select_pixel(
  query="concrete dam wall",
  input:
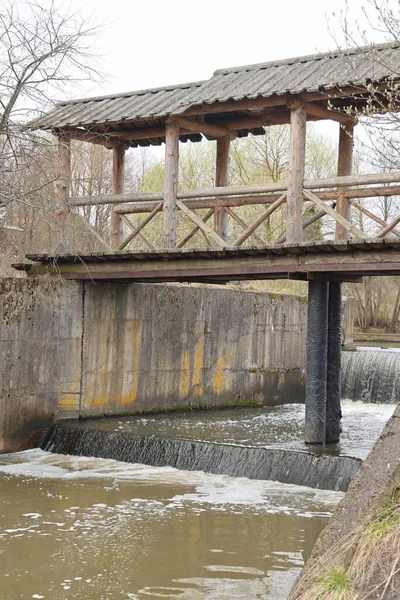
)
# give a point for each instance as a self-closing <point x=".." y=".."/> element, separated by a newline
<point x="75" y="349"/>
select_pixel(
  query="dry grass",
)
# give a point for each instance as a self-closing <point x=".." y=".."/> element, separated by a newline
<point x="364" y="565"/>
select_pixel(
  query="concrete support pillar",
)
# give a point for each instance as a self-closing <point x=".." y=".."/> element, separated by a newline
<point x="333" y="410"/>
<point x="317" y="358"/>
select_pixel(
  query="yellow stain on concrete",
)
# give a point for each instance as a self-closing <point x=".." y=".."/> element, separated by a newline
<point x="184" y="382"/>
<point x="198" y="370"/>
<point x="222" y="364"/>
<point x="130" y="397"/>
<point x="68" y="401"/>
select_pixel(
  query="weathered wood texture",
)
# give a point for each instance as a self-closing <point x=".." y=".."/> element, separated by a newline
<point x="118" y="188"/>
<point x="345" y="162"/>
<point x="171" y="184"/>
<point x="276" y="262"/>
<point x="221" y="217"/>
<point x="311" y="184"/>
<point x="139" y="228"/>
<point x="62" y="189"/>
<point x="294" y="202"/>
<point x="335" y="215"/>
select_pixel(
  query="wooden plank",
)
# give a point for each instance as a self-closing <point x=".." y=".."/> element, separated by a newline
<point x="294" y="202"/>
<point x="138" y="229"/>
<point x="141" y="235"/>
<point x="189" y="236"/>
<point x="221" y="217"/>
<point x="372" y="216"/>
<point x="171" y="184"/>
<point x="245" y="226"/>
<point x="335" y="215"/>
<point x="388" y="227"/>
<point x="345" y="162"/>
<point x="61" y="190"/>
<point x="210" y="234"/>
<point x="118" y="168"/>
<point x="211" y="130"/>
<point x="92" y="230"/>
<point x="248" y="232"/>
<point x="356" y="262"/>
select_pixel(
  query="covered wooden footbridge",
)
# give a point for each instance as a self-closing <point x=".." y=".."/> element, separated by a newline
<point x="236" y="102"/>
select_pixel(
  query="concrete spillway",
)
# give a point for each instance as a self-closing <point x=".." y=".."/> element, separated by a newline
<point x="371" y="376"/>
<point x="285" y="466"/>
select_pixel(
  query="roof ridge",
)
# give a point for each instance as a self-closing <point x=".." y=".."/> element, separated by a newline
<point x="308" y="57"/>
<point x="133" y="93"/>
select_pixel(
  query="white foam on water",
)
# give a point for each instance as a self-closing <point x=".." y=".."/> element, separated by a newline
<point x="205" y="489"/>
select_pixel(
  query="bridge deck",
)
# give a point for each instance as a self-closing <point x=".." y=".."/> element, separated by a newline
<point x="327" y="260"/>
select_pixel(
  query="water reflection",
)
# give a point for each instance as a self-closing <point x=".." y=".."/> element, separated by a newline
<point x="72" y="527"/>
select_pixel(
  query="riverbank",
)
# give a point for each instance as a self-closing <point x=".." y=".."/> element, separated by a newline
<point x="358" y="554"/>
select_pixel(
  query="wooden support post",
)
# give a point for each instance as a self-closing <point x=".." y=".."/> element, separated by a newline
<point x="333" y="386"/>
<point x="294" y="203"/>
<point x="345" y="161"/>
<point x="118" y="188"/>
<point x="62" y="190"/>
<point x="221" y="217"/>
<point x="171" y="183"/>
<point x="317" y="357"/>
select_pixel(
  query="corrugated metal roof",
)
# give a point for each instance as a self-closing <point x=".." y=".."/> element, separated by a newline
<point x="130" y="106"/>
<point x="314" y="73"/>
<point x="318" y="72"/>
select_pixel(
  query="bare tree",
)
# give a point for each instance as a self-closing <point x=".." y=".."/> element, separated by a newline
<point x="41" y="49"/>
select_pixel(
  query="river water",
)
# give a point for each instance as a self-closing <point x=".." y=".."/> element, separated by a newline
<point x="98" y="529"/>
<point x="86" y="528"/>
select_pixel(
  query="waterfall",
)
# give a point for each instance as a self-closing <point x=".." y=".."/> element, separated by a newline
<point x="371" y="376"/>
<point x="286" y="466"/>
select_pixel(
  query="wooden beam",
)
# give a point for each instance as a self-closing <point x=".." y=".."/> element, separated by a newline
<point x="345" y="162"/>
<point x="118" y="169"/>
<point x="372" y="216"/>
<point x="210" y="234"/>
<point x="294" y="202"/>
<point x="245" y="226"/>
<point x="139" y="228"/>
<point x="62" y="189"/>
<point x="316" y="184"/>
<point x="388" y="227"/>
<point x="141" y="235"/>
<point x="248" y="232"/>
<point x="320" y="112"/>
<point x="335" y="215"/>
<point x="171" y="177"/>
<point x="92" y="137"/>
<point x="195" y="229"/>
<point x="221" y="217"/>
<point x="215" y="131"/>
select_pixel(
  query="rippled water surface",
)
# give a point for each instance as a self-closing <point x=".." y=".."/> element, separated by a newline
<point x="276" y="427"/>
<point x="98" y="529"/>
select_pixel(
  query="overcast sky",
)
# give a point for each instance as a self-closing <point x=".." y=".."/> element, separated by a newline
<point x="150" y="43"/>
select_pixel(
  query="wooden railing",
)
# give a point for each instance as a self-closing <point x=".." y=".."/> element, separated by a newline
<point x="320" y="194"/>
